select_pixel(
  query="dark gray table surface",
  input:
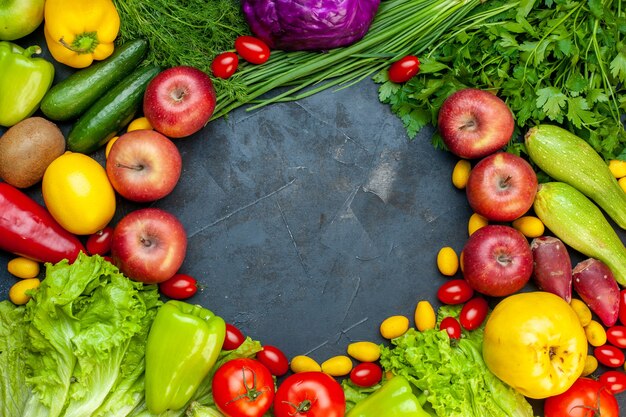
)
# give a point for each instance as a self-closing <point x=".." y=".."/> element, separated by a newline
<point x="310" y="222"/>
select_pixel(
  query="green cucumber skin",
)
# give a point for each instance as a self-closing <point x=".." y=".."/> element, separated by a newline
<point x="72" y="97"/>
<point x="566" y="157"/>
<point x="578" y="222"/>
<point x="111" y="112"/>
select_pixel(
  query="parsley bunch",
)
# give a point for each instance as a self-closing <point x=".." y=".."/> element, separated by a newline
<point x="556" y="61"/>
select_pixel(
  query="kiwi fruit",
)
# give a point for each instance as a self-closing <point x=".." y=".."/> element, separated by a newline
<point x="26" y="150"/>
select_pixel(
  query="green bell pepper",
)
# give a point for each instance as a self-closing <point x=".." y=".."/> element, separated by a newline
<point x="24" y="81"/>
<point x="183" y="345"/>
<point x="394" y="399"/>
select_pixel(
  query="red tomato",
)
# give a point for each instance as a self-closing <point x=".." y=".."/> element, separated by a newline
<point x="225" y="64"/>
<point x="616" y="335"/>
<point x="585" y="398"/>
<point x="274" y="359"/>
<point x="404" y="69"/>
<point x="366" y="374"/>
<point x="473" y="313"/>
<point x="609" y="355"/>
<point x="252" y="49"/>
<point x="234" y="338"/>
<point x="622" y="307"/>
<point x="451" y="326"/>
<point x="179" y="287"/>
<point x="99" y="243"/>
<point x="455" y="291"/>
<point x="309" y="394"/>
<point x="614" y="381"/>
<point x="243" y="387"/>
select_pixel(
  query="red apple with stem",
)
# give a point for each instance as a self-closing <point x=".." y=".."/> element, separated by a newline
<point x="501" y="187"/>
<point x="149" y="245"/>
<point x="179" y="101"/>
<point x="143" y="165"/>
<point x="474" y="123"/>
<point x="497" y="260"/>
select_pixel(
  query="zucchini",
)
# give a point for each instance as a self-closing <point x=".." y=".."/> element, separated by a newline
<point x="111" y="112"/>
<point x="566" y="157"/>
<point x="72" y="97"/>
<point x="579" y="223"/>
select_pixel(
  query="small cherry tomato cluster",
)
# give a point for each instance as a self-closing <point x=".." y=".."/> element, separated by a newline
<point x="250" y="48"/>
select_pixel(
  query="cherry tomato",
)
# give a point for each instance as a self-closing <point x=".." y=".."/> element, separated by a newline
<point x="179" y="287"/>
<point x="616" y="335"/>
<point x="234" y="338"/>
<point x="622" y="307"/>
<point x="609" y="355"/>
<point x="225" y="64"/>
<point x="252" y="49"/>
<point x="586" y="397"/>
<point x="309" y="394"/>
<point x="473" y="313"/>
<point x="451" y="326"/>
<point x="243" y="387"/>
<point x="455" y="291"/>
<point x="99" y="243"/>
<point x="404" y="69"/>
<point x="615" y="381"/>
<point x="274" y="359"/>
<point x="366" y="374"/>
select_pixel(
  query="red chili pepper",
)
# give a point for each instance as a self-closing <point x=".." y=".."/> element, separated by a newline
<point x="27" y="229"/>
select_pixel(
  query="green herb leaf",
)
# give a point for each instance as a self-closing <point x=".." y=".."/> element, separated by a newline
<point x="578" y="112"/>
<point x="618" y="66"/>
<point x="552" y="101"/>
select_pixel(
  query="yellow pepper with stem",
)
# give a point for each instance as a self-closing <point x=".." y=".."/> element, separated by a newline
<point x="78" y="32"/>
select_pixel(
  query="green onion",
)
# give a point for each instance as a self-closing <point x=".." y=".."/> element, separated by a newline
<point x="401" y="27"/>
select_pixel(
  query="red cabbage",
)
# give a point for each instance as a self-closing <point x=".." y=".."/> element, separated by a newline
<point x="294" y="25"/>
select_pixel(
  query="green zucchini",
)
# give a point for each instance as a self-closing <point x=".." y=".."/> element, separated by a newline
<point x="566" y="157"/>
<point x="111" y="112"/>
<point x="579" y="223"/>
<point x="72" y="97"/>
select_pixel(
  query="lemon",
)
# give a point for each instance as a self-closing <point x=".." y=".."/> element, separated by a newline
<point x="78" y="194"/>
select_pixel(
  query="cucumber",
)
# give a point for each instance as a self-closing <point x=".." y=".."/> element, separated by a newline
<point x="72" y="97"/>
<point x="566" y="157"/>
<point x="111" y="112"/>
<point x="579" y="223"/>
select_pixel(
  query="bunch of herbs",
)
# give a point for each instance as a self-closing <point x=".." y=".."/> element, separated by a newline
<point x="556" y="61"/>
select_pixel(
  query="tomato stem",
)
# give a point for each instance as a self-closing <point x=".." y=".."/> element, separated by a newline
<point x="252" y="393"/>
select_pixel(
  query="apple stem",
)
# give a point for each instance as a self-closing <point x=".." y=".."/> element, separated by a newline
<point x="134" y="167"/>
<point x="469" y="124"/>
<point x="505" y="182"/>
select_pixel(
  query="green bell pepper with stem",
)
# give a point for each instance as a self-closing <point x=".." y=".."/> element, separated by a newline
<point x="394" y="399"/>
<point x="183" y="345"/>
<point x="24" y="80"/>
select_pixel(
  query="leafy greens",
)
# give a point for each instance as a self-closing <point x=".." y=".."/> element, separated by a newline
<point x="558" y="61"/>
<point x="77" y="347"/>
<point x="452" y="375"/>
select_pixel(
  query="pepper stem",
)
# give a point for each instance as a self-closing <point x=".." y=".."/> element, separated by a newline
<point x="32" y="50"/>
<point x="83" y="43"/>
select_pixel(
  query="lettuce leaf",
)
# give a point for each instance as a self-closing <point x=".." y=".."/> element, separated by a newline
<point x="13" y="342"/>
<point x="82" y="342"/>
<point x="452" y="375"/>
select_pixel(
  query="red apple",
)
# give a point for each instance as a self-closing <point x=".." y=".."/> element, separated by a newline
<point x="501" y="187"/>
<point x="143" y="165"/>
<point x="497" y="260"/>
<point x="179" y="101"/>
<point x="149" y="245"/>
<point x="474" y="123"/>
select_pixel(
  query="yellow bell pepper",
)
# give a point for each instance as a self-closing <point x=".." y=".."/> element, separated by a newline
<point x="78" y="32"/>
